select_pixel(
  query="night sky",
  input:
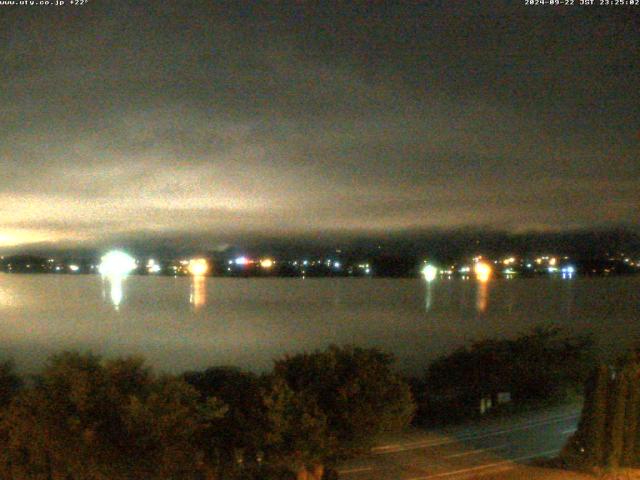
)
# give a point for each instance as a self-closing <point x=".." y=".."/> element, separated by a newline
<point x="221" y="120"/>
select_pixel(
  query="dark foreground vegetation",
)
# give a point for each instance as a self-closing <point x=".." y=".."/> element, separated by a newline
<point x="608" y="435"/>
<point x="84" y="418"/>
<point x="541" y="367"/>
<point x="87" y="418"/>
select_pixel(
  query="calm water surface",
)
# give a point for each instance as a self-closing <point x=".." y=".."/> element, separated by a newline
<point x="187" y="323"/>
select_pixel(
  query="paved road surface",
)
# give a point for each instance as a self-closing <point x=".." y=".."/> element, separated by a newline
<point x="467" y="452"/>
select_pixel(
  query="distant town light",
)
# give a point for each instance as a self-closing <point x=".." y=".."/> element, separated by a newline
<point x="198" y="266"/>
<point x="483" y="271"/>
<point x="116" y="263"/>
<point x="242" y="261"/>
<point x="154" y="268"/>
<point x="266" y="263"/>
<point x="73" y="268"/>
<point x="429" y="272"/>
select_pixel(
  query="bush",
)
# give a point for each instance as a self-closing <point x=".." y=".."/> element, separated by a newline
<point x="86" y="419"/>
<point x="537" y="367"/>
<point x="355" y="388"/>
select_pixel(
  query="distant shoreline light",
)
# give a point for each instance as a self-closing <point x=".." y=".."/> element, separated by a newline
<point x="116" y="263"/>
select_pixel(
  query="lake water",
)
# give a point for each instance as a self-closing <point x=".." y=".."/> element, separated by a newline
<point x="188" y="323"/>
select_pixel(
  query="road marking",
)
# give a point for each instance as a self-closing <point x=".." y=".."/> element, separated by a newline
<point x="355" y="470"/>
<point x="483" y="433"/>
<point x="484" y="467"/>
<point x="394" y="448"/>
<point x="473" y="452"/>
<point x="569" y="432"/>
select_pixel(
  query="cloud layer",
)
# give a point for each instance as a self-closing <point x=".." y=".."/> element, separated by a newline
<point x="232" y="119"/>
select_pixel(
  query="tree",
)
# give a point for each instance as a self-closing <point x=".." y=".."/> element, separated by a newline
<point x="86" y="419"/>
<point x="631" y="413"/>
<point x="592" y="427"/>
<point x="615" y="420"/>
<point x="237" y="438"/>
<point x="607" y="434"/>
<point x="355" y="388"/>
<point x="297" y="437"/>
<point x="538" y="366"/>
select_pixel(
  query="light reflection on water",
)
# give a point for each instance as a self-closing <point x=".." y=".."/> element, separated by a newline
<point x="428" y="302"/>
<point x="198" y="294"/>
<point x="8" y="298"/>
<point x="482" y="295"/>
<point x="116" y="292"/>
<point x="194" y="322"/>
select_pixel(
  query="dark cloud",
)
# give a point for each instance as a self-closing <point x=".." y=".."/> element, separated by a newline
<point x="235" y="118"/>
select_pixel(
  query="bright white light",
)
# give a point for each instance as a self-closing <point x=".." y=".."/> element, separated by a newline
<point x="154" y="268"/>
<point x="336" y="265"/>
<point x="116" y="263"/>
<point x="568" y="270"/>
<point x="367" y="271"/>
<point x="242" y="261"/>
<point x="429" y="272"/>
<point x="73" y="268"/>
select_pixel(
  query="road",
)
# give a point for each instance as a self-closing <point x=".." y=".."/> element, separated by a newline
<point x="467" y="452"/>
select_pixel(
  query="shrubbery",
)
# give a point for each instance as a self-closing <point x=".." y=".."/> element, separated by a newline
<point x="540" y="366"/>
<point x="85" y="418"/>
